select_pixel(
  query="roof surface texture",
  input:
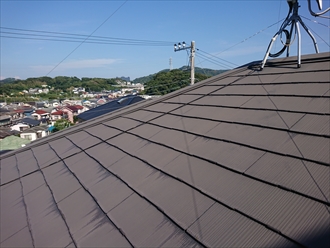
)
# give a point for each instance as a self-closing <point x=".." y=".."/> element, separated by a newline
<point x="109" y="107"/>
<point x="238" y="160"/>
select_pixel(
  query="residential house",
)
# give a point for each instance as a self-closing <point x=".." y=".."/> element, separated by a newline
<point x="80" y="108"/>
<point x="101" y="101"/>
<point x="34" y="133"/>
<point x="6" y="116"/>
<point x="54" y="103"/>
<point x="20" y="127"/>
<point x="24" y="111"/>
<point x="33" y="91"/>
<point x="31" y="122"/>
<point x="6" y="131"/>
<point x="5" y="120"/>
<point x="67" y="102"/>
<point x="78" y="90"/>
<point x="40" y="114"/>
<point x="45" y="90"/>
<point x="56" y="115"/>
<point x="71" y="111"/>
<point x="240" y="159"/>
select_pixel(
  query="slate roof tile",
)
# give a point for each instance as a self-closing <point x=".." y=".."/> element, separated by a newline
<point x="238" y="160"/>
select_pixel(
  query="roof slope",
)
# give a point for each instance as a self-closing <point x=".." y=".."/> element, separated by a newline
<point x="35" y="129"/>
<point x="29" y="121"/>
<point x="109" y="107"/>
<point x="13" y="142"/>
<point x="238" y="160"/>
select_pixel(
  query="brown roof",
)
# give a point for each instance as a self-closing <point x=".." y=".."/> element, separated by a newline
<point x="240" y="159"/>
<point x="72" y="108"/>
<point x="78" y="107"/>
<point x="41" y="112"/>
<point x="59" y="112"/>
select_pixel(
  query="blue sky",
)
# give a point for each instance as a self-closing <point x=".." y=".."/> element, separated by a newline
<point x="234" y="31"/>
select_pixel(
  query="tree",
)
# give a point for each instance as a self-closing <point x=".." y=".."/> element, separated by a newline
<point x="61" y="124"/>
<point x="168" y="81"/>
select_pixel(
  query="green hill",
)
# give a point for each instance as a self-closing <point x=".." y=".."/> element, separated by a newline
<point x="7" y="80"/>
<point x="204" y="71"/>
<point x="168" y="81"/>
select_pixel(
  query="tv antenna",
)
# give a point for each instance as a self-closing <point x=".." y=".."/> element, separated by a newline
<point x="293" y="19"/>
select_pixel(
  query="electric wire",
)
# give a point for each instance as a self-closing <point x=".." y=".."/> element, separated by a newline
<point x="200" y="62"/>
<point x="78" y="37"/>
<point x="213" y="56"/>
<point x="213" y="61"/>
<point x="317" y="33"/>
<point x="260" y="31"/>
<point x="279" y="12"/>
<point x="86" y="38"/>
<point x="322" y="24"/>
<point x="89" y="42"/>
<point x="205" y="58"/>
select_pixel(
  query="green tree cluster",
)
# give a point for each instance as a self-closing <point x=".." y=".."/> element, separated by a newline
<point x="58" y="84"/>
<point x="61" y="124"/>
<point x="205" y="71"/>
<point x="168" y="81"/>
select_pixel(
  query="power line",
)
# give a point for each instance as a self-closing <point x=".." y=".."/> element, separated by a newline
<point x="78" y="37"/>
<point x="322" y="24"/>
<point x="213" y="56"/>
<point x="205" y="58"/>
<point x="67" y="39"/>
<point x="260" y="31"/>
<point x="318" y="35"/>
<point x="86" y="38"/>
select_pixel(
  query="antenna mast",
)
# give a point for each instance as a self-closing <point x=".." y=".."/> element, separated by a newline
<point x="293" y="19"/>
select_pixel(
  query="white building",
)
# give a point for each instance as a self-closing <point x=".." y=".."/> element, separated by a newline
<point x="34" y="133"/>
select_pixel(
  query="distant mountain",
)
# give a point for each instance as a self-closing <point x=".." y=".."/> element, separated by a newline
<point x="127" y="79"/>
<point x="8" y="80"/>
<point x="204" y="71"/>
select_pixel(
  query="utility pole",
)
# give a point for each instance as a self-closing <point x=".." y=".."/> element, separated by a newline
<point x="192" y="63"/>
<point x="183" y="46"/>
<point x="171" y="64"/>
